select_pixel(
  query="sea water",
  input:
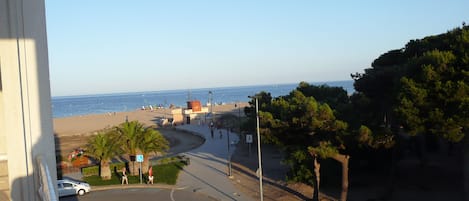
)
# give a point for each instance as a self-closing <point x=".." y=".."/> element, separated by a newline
<point x="65" y="106"/>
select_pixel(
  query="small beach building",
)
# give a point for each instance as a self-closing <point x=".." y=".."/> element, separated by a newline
<point x="195" y="113"/>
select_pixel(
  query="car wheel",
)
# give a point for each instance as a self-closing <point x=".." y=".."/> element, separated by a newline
<point x="81" y="192"/>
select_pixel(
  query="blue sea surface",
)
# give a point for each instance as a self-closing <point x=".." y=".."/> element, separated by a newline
<point x="65" y="106"/>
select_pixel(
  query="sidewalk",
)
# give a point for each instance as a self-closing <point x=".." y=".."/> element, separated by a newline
<point x="208" y="169"/>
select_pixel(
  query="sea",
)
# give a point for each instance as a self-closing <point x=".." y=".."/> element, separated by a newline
<point x="66" y="106"/>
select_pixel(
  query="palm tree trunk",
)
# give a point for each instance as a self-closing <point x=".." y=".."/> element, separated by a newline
<point x="105" y="170"/>
<point x="133" y="166"/>
<point x="145" y="164"/>
<point x="344" y="160"/>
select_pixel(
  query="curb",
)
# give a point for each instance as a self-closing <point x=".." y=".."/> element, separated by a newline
<point x="129" y="186"/>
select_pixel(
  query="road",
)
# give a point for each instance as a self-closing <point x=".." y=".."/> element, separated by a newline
<point x="140" y="194"/>
<point x="208" y="170"/>
<point x="206" y="176"/>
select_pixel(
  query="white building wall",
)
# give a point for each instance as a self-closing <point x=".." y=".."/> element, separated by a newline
<point x="25" y="106"/>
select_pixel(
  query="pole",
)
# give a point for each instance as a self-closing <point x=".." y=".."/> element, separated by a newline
<point x="140" y="172"/>
<point x="229" y="154"/>
<point x="239" y="117"/>
<point x="259" y="152"/>
<point x="211" y="103"/>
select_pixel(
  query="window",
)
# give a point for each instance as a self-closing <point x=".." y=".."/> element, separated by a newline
<point x="67" y="185"/>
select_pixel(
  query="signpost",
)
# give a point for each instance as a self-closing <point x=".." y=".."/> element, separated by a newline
<point x="140" y="161"/>
<point x="249" y="141"/>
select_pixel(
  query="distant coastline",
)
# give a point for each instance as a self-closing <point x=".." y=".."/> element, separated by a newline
<point x="330" y="83"/>
<point x="66" y="106"/>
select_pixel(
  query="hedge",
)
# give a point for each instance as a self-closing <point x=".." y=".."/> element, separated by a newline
<point x="94" y="170"/>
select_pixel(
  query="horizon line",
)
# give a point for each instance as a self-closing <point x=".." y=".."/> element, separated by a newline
<point x="187" y="89"/>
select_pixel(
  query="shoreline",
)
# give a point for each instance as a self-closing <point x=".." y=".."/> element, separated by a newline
<point x="92" y="123"/>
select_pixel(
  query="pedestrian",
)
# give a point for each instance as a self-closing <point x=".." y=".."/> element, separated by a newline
<point x="150" y="175"/>
<point x="124" y="176"/>
<point x="221" y="136"/>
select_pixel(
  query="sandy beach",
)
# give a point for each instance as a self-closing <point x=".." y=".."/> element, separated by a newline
<point x="73" y="132"/>
<point x="89" y="124"/>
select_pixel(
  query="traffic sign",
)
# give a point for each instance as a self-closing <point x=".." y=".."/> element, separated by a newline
<point x="139" y="158"/>
<point x="248" y="138"/>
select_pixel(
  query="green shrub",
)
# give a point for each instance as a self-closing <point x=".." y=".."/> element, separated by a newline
<point x="117" y="166"/>
<point x="90" y="171"/>
<point x="165" y="173"/>
<point x="94" y="170"/>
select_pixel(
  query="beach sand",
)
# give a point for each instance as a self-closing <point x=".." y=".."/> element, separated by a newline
<point x="89" y="124"/>
<point x="73" y="132"/>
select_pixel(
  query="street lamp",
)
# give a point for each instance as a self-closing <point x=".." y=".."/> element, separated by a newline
<point x="210" y="99"/>
<point x="259" y="155"/>
<point x="239" y="118"/>
<point x="211" y="102"/>
<point x="229" y="154"/>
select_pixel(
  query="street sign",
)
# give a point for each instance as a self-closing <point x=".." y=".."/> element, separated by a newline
<point x="139" y="158"/>
<point x="248" y="138"/>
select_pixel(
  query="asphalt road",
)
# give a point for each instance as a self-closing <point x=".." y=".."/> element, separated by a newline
<point x="140" y="194"/>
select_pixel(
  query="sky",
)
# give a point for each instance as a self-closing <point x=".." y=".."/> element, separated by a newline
<point x="114" y="46"/>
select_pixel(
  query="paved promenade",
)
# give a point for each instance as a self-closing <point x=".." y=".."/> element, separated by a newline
<point x="207" y="172"/>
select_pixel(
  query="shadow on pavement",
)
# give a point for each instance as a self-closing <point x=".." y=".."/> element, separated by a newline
<point x="208" y="184"/>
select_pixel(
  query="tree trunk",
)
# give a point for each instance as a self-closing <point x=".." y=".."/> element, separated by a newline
<point x="344" y="160"/>
<point x="317" y="168"/>
<point x="145" y="164"/>
<point x="105" y="170"/>
<point x="133" y="166"/>
<point x="465" y="161"/>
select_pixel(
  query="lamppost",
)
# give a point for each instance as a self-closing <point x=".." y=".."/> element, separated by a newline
<point x="229" y="153"/>
<point x="239" y="119"/>
<point x="210" y="94"/>
<point x="259" y="155"/>
<point x="210" y="99"/>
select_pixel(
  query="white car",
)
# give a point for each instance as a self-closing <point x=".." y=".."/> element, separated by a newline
<point x="69" y="187"/>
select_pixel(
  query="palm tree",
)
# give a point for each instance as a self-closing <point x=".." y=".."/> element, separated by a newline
<point x="129" y="133"/>
<point x="103" y="147"/>
<point x="151" y="141"/>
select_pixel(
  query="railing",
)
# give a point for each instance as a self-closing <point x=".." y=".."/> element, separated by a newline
<point x="47" y="189"/>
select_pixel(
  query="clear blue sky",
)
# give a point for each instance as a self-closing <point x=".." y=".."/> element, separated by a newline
<point x="109" y="46"/>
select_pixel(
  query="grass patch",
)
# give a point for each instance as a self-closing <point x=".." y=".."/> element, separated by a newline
<point x="97" y="181"/>
<point x="165" y="174"/>
<point x="94" y="170"/>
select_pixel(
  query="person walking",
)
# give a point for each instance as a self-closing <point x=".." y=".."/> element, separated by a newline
<point x="124" y="176"/>
<point x="150" y="175"/>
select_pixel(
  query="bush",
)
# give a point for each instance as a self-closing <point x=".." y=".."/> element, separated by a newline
<point x="165" y="173"/>
<point x="117" y="167"/>
<point x="94" y="170"/>
<point x="90" y="171"/>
